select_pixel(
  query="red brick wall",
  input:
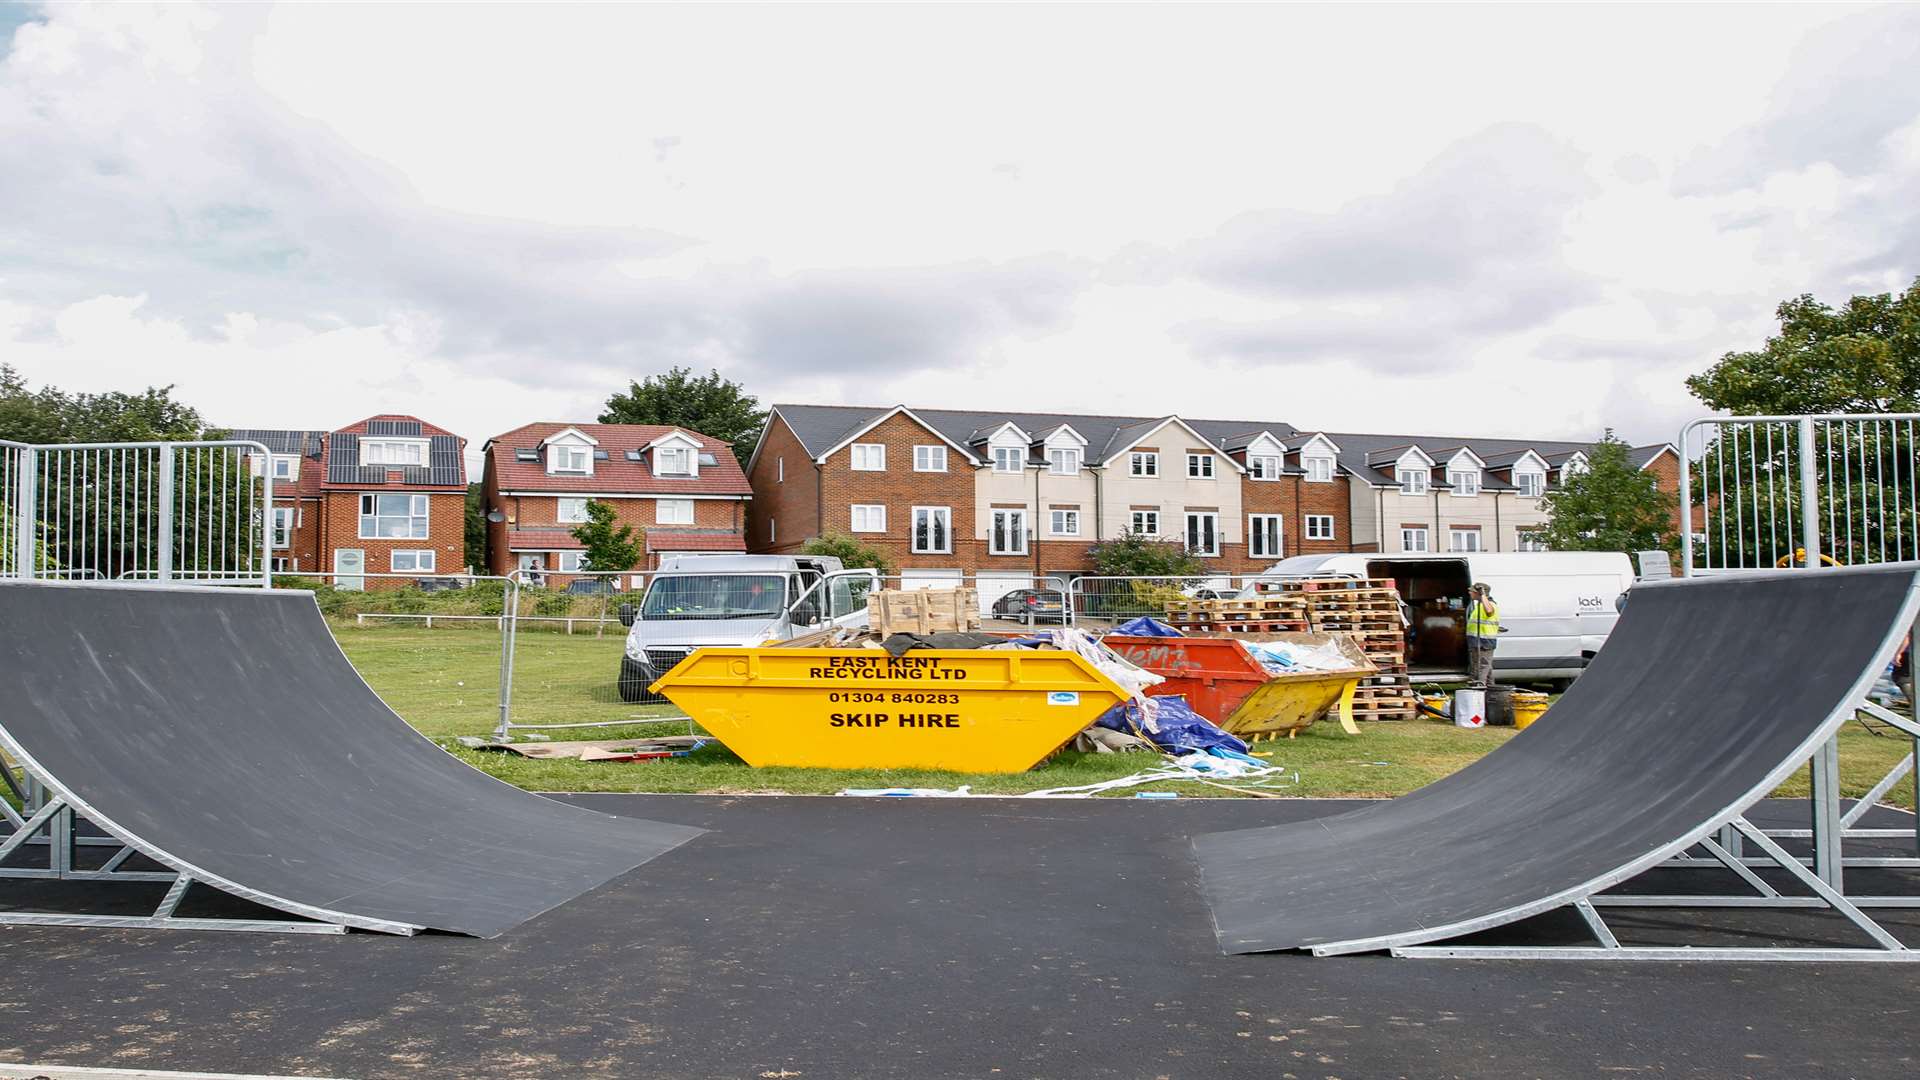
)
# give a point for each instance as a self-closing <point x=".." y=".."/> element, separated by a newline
<point x="900" y="489"/>
<point x="339" y="527"/>
<point x="303" y="548"/>
<point x="1293" y="498"/>
<point x="1666" y="477"/>
<point x="794" y="503"/>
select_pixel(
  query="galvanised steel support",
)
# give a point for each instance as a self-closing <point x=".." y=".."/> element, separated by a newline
<point x="1809" y="495"/>
<point x="1824" y="782"/>
<point x="164" y="555"/>
<point x="26" y="532"/>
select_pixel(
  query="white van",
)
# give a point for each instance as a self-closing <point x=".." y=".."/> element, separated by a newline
<point x="698" y="600"/>
<point x="1557" y="607"/>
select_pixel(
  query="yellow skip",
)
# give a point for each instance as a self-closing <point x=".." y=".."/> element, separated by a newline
<point x="960" y="709"/>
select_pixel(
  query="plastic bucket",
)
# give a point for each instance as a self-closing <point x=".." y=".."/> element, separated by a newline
<point x="1470" y="708"/>
<point x="1528" y="707"/>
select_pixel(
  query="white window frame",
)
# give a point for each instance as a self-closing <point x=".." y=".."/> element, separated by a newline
<point x="422" y="559"/>
<point x="419" y="509"/>
<point x="1319" y="526"/>
<point x="560" y="510"/>
<point x="1455" y="536"/>
<point x="1016" y="527"/>
<point x="1465" y="483"/>
<point x="1407" y="535"/>
<point x="1532" y="485"/>
<point x="867" y="517"/>
<point x="868" y="457"/>
<point x="1137" y="518"/>
<point x="1258" y="526"/>
<point x="291" y="470"/>
<point x="1264" y="466"/>
<point x="1063" y="461"/>
<point x="1143" y="463"/>
<point x="930" y="458"/>
<point x="577" y="558"/>
<point x="661" y="517"/>
<point x="942" y="514"/>
<point x="1199" y="466"/>
<point x="1530" y="541"/>
<point x="1009" y="459"/>
<point x="416" y="450"/>
<point x="285" y="520"/>
<point x="674" y="461"/>
<point x="1194" y="516"/>
<point x="281" y="564"/>
<point x="1414" y="480"/>
<point x="1057" y="519"/>
<point x="560" y="458"/>
<point x="1319" y="468"/>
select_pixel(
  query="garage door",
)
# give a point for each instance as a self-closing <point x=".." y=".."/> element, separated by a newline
<point x="994" y="586"/>
<point x="930" y="579"/>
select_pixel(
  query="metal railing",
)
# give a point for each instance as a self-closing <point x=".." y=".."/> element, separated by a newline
<point x="1779" y="492"/>
<point x="192" y="511"/>
<point x="1096" y="600"/>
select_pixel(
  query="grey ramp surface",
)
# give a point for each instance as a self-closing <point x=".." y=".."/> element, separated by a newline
<point x="224" y="729"/>
<point x="1707" y="692"/>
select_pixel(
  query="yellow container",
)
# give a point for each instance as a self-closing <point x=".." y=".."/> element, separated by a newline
<point x="1288" y="703"/>
<point x="967" y="710"/>
<point x="1528" y="706"/>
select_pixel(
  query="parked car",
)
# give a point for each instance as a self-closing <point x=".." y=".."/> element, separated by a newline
<point x="440" y="584"/>
<point x="591" y="587"/>
<point x="1032" y="605"/>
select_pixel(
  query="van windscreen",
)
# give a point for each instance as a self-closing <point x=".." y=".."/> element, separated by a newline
<point x="714" y="596"/>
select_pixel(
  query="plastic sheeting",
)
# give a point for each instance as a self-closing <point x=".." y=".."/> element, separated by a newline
<point x="1146" y="626"/>
<point x="1171" y="724"/>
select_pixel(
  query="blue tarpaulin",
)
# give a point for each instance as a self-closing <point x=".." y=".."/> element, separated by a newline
<point x="1169" y="723"/>
<point x="1146" y="626"/>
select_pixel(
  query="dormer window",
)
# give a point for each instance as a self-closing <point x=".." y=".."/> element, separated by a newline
<point x="1573" y="467"/>
<point x="1413" y="480"/>
<point x="286" y="467"/>
<point x="1319" y="469"/>
<point x="1531" y="484"/>
<point x="396" y="452"/>
<point x="1063" y="462"/>
<point x="673" y="461"/>
<point x="1008" y="458"/>
<point x="1263" y="467"/>
<point x="562" y="458"/>
<point x="1464" y="481"/>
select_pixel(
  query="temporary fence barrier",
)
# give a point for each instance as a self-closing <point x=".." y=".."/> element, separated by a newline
<point x="193" y="511"/>
<point x="1097" y="599"/>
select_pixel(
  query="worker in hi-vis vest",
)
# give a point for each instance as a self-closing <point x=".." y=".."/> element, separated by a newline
<point x="1483" y="635"/>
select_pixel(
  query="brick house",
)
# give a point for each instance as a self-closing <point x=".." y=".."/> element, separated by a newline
<point x="386" y="495"/>
<point x="682" y="488"/>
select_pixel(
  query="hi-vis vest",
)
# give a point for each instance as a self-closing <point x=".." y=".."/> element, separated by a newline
<point x="1483" y="620"/>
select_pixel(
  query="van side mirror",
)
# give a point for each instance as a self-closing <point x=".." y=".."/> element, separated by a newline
<point x="626" y="614"/>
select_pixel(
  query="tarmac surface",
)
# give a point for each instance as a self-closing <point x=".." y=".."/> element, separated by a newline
<point x="825" y="938"/>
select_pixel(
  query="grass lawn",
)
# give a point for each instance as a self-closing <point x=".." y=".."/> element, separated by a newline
<point x="446" y="683"/>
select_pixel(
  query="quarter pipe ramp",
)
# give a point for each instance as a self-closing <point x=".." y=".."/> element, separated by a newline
<point x="222" y="733"/>
<point x="1708" y="694"/>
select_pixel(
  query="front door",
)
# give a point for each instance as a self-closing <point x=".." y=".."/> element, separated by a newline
<point x="348" y="565"/>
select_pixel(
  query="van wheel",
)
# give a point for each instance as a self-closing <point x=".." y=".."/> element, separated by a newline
<point x="634" y="680"/>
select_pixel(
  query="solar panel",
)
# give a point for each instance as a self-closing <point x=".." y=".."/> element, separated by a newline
<point x="346" y="449"/>
<point x="417" y="474"/>
<point x="443" y="462"/>
<point x="404" y="428"/>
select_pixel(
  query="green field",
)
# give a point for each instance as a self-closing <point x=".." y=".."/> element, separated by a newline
<point x="445" y="682"/>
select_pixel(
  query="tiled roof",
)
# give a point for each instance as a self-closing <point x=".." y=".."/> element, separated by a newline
<point x="542" y="540"/>
<point x="444" y="471"/>
<point x="615" y="474"/>
<point x="661" y="540"/>
<point x="306" y="445"/>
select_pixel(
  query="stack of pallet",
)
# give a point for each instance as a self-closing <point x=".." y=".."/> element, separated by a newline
<point x="1257" y="615"/>
<point x="1368" y="610"/>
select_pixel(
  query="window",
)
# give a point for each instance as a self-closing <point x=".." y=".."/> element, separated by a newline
<point x="1531" y="484"/>
<point x="1008" y="458"/>
<point x="869" y="457"/>
<point x="286" y="467"/>
<point x="1009" y="533"/>
<point x="1203" y="533"/>
<point x="1319" y="469"/>
<point x="1463" y="539"/>
<point x="1063" y="522"/>
<point x="572" y="562"/>
<point x="1146" y="522"/>
<point x="1574" y="467"/>
<point x="1063" y="462"/>
<point x="1532" y="542"/>
<point x="1264" y="467"/>
<point x="932" y="529"/>
<point x="393" y="517"/>
<point x="1319" y="526"/>
<point x="869" y="518"/>
<point x="283" y="526"/>
<point x="1413" y="538"/>
<point x="411" y="562"/>
<point x="673" y="461"/>
<point x="929" y="459"/>
<point x="1464" y="481"/>
<point x="1413" y="481"/>
<point x="1144" y="464"/>
<point x="1200" y="466"/>
<point x="1263" y="535"/>
<point x="570" y="511"/>
<point x="779" y="470"/>
<point x="389" y="452"/>
<point x="673" y="511"/>
<point x="282" y="565"/>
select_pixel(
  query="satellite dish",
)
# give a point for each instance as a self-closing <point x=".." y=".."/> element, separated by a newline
<point x="496" y="516"/>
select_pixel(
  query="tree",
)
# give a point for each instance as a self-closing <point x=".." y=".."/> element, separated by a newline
<point x="1862" y="357"/>
<point x="51" y="415"/>
<point x="708" y="404"/>
<point x="1611" y="506"/>
<point x="852" y="554"/>
<point x="476" y="527"/>
<point x="1138" y="555"/>
<point x="609" y="548"/>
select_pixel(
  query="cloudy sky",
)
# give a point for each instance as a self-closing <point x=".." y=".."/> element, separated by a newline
<point x="1496" y="220"/>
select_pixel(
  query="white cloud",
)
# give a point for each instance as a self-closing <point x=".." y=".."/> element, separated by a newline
<point x="304" y="214"/>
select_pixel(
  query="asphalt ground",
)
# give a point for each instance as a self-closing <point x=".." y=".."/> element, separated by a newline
<point x="825" y="938"/>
